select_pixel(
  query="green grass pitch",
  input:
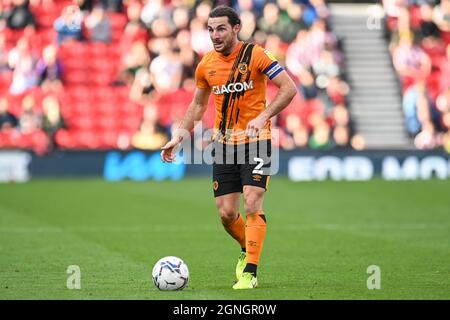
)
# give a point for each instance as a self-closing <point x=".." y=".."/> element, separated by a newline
<point x="321" y="238"/>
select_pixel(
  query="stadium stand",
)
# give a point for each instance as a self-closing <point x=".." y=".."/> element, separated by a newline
<point x="419" y="33"/>
<point x="124" y="72"/>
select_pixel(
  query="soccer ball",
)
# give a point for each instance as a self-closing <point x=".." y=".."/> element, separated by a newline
<point x="170" y="273"/>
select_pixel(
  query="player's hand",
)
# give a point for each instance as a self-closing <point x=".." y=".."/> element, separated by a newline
<point x="168" y="151"/>
<point x="255" y="127"/>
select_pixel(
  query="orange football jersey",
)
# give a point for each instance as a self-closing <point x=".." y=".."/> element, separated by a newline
<point x="238" y="83"/>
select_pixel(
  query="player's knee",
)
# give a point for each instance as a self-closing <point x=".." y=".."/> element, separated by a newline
<point x="252" y="204"/>
<point x="227" y="215"/>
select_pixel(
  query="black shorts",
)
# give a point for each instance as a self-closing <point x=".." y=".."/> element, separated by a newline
<point x="247" y="164"/>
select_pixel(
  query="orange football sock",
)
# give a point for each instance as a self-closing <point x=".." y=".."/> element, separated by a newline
<point x="237" y="230"/>
<point x="255" y="232"/>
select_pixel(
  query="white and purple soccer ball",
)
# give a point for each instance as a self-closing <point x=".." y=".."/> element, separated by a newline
<point x="170" y="273"/>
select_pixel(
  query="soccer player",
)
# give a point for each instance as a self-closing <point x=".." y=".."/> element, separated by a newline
<point x="236" y="73"/>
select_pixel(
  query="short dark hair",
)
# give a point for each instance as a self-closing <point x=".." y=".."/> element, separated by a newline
<point x="225" y="11"/>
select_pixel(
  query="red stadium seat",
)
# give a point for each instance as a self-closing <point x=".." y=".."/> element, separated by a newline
<point x="131" y="123"/>
<point x="89" y="139"/>
<point x="65" y="139"/>
<point x="415" y="16"/>
<point x="108" y="139"/>
<point x="76" y="77"/>
<point x="445" y="35"/>
<point x="118" y="21"/>
<point x="82" y="123"/>
<point x="109" y="123"/>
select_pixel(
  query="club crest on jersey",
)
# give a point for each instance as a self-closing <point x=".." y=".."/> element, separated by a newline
<point x="232" y="87"/>
<point x="242" y="68"/>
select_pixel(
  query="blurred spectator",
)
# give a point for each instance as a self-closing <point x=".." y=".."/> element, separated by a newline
<point x="134" y="13"/>
<point x="401" y="26"/>
<point x="445" y="122"/>
<point x="161" y="28"/>
<point x="441" y="15"/>
<point x="358" y="142"/>
<point x="24" y="76"/>
<point x="443" y="106"/>
<point x="85" y="6"/>
<point x="290" y="20"/>
<point x="248" y="25"/>
<point x="189" y="59"/>
<point x="270" y="22"/>
<point x="142" y="86"/>
<point x="49" y="70"/>
<point x="275" y="46"/>
<point x="29" y="120"/>
<point x="427" y="26"/>
<point x="320" y="8"/>
<point x="445" y="70"/>
<point x="135" y="58"/>
<point x="341" y="115"/>
<point x="3" y="54"/>
<point x="52" y="120"/>
<point x="298" y="131"/>
<point x="200" y="40"/>
<point x="21" y="60"/>
<point x="443" y="101"/>
<point x="393" y="7"/>
<point x="183" y="40"/>
<point x="135" y="30"/>
<point x="298" y="55"/>
<point x="98" y="25"/>
<point x="322" y="39"/>
<point x="307" y="85"/>
<point x="150" y="135"/>
<point x="341" y="136"/>
<point x="446" y="141"/>
<point x="294" y="12"/>
<point x="69" y="24"/>
<point x="180" y="18"/>
<point x="166" y="70"/>
<point x="7" y="119"/>
<point x="426" y="139"/>
<point x="202" y="11"/>
<point x="255" y="6"/>
<point x="112" y="5"/>
<point x="20" y="15"/>
<point x="19" y="52"/>
<point x="410" y="61"/>
<point x="337" y="90"/>
<point x="325" y="67"/>
<point x="151" y="10"/>
<point x="320" y="137"/>
<point x="415" y="98"/>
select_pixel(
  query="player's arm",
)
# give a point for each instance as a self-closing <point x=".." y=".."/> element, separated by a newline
<point x="286" y="92"/>
<point x="194" y="113"/>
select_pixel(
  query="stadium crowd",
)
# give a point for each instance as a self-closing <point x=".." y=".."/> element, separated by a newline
<point x="121" y="73"/>
<point x="419" y="32"/>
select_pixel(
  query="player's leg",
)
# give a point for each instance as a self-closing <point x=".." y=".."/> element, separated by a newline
<point x="227" y="191"/>
<point x="255" y="232"/>
<point x="232" y="221"/>
<point x="255" y="175"/>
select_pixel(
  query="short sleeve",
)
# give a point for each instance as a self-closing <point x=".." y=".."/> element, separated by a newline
<point x="200" y="79"/>
<point x="267" y="63"/>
